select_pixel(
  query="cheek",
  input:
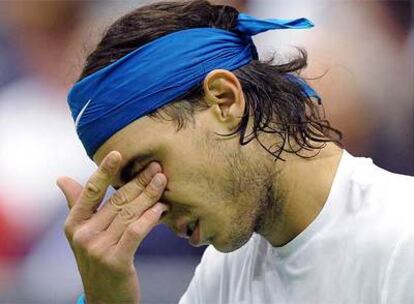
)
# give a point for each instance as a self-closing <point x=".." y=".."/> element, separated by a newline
<point x="202" y="185"/>
<point x="185" y="185"/>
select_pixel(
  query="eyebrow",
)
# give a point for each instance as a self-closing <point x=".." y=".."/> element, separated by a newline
<point x="127" y="171"/>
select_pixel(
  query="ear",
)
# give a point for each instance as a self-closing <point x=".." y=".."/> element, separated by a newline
<point x="224" y="95"/>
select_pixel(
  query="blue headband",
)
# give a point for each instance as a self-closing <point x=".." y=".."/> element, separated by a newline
<point x="161" y="71"/>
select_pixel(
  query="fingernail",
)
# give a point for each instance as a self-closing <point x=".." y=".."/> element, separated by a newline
<point x="58" y="183"/>
<point x="112" y="160"/>
<point x="159" y="208"/>
<point x="157" y="181"/>
<point x="154" y="167"/>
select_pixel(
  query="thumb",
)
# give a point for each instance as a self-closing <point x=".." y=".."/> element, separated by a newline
<point x="70" y="188"/>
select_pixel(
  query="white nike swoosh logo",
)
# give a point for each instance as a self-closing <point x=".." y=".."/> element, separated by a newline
<point x="81" y="113"/>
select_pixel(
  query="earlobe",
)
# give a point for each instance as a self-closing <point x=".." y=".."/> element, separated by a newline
<point x="224" y="95"/>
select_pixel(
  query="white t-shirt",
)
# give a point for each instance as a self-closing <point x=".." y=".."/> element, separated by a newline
<point x="359" y="249"/>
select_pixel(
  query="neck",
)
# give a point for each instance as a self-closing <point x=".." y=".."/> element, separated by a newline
<point x="302" y="186"/>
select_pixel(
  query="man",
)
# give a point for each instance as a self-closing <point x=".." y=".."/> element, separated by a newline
<point x="195" y="132"/>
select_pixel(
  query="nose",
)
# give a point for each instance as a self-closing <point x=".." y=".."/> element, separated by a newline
<point x="178" y="226"/>
<point x="181" y="227"/>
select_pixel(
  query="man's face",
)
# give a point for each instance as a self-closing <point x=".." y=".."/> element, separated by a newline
<point x="209" y="178"/>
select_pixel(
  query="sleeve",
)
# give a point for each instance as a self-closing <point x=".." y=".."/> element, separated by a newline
<point x="399" y="279"/>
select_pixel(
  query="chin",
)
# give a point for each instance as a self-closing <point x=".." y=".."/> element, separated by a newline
<point x="231" y="243"/>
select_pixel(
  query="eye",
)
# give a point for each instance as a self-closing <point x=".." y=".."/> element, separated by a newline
<point x="134" y="172"/>
<point x="127" y="175"/>
<point x="135" y="167"/>
<point x="130" y="175"/>
<point x="139" y="169"/>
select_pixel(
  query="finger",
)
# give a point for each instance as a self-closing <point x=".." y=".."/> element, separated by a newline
<point x="138" y="230"/>
<point x="95" y="189"/>
<point x="136" y="208"/>
<point x="70" y="188"/>
<point x="104" y="217"/>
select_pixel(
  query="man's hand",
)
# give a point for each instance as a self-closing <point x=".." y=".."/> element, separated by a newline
<point x="104" y="242"/>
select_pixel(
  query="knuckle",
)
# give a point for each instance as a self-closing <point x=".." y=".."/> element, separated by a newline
<point x="68" y="229"/>
<point x="135" y="231"/>
<point x="92" y="190"/>
<point x="150" y="217"/>
<point x="151" y="192"/>
<point x="119" y="198"/>
<point x="81" y="237"/>
<point x="140" y="181"/>
<point x="104" y="168"/>
<point x="128" y="213"/>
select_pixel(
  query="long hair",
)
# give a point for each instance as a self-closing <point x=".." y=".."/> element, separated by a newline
<point x="275" y="103"/>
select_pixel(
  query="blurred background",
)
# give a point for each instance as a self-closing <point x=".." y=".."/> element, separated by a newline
<point x="364" y="48"/>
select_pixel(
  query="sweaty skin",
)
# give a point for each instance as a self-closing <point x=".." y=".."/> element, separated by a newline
<point x="231" y="190"/>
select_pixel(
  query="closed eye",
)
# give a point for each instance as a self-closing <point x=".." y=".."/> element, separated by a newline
<point x="132" y="173"/>
<point x="135" y="166"/>
<point x="126" y="177"/>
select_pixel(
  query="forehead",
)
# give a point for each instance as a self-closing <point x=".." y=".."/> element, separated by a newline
<point x="137" y="137"/>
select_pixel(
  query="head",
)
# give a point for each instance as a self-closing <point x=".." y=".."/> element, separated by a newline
<point x="218" y="143"/>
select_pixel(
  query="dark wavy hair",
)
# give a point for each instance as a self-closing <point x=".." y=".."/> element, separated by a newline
<point x="275" y="103"/>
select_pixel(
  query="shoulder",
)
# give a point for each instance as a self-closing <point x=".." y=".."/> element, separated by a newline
<point x="369" y="187"/>
<point x="366" y="174"/>
<point x="383" y="204"/>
